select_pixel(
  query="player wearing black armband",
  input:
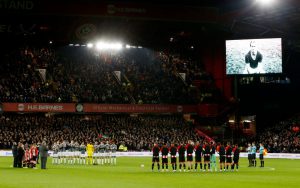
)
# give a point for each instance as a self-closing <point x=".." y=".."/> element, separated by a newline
<point x="228" y="152"/>
<point x="198" y="155"/>
<point x="222" y="157"/>
<point x="189" y="154"/>
<point x="173" y="152"/>
<point x="206" y="154"/>
<point x="164" y="155"/>
<point x="155" y="157"/>
<point x="181" y="153"/>
<point x="236" y="157"/>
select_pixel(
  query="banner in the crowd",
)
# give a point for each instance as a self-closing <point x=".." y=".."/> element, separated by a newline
<point x="118" y="75"/>
<point x="38" y="107"/>
<point x="139" y="108"/>
<point x="201" y="109"/>
<point x="182" y="76"/>
<point x="42" y="73"/>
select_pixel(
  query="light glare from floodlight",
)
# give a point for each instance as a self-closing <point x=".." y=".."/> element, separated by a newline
<point x="265" y="2"/>
<point x="117" y="46"/>
<point x="90" y="45"/>
<point x="99" y="45"/>
<point x="108" y="46"/>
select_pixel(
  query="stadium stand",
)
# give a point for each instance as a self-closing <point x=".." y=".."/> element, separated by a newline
<point x="282" y="137"/>
<point x="137" y="133"/>
<point x="79" y="75"/>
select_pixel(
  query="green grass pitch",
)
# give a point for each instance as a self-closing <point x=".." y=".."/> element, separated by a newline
<point x="128" y="173"/>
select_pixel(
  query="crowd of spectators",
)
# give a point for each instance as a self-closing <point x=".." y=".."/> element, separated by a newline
<point x="152" y="82"/>
<point x="20" y="81"/>
<point x="282" y="137"/>
<point x="75" y="74"/>
<point x="195" y="76"/>
<point x="137" y="132"/>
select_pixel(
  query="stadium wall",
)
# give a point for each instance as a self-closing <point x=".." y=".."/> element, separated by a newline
<point x="8" y="153"/>
<point x="213" y="58"/>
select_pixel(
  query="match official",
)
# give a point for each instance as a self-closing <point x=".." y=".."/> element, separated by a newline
<point x="43" y="154"/>
<point x="261" y="155"/>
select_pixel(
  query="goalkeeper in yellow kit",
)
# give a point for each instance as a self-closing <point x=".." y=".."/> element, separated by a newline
<point x="90" y="152"/>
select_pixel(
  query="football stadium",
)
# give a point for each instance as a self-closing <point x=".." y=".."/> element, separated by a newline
<point x="127" y="93"/>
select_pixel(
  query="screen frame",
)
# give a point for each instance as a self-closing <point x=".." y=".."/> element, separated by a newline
<point x="254" y="74"/>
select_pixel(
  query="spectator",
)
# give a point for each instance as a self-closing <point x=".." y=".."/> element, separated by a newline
<point x="136" y="133"/>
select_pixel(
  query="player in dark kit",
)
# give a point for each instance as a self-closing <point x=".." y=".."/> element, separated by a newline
<point x="189" y="154"/>
<point x="155" y="158"/>
<point x="206" y="154"/>
<point x="253" y="60"/>
<point x="164" y="155"/>
<point x="222" y="154"/>
<point x="198" y="155"/>
<point x="173" y="152"/>
<point x="181" y="153"/>
<point x="228" y="153"/>
<point x="236" y="157"/>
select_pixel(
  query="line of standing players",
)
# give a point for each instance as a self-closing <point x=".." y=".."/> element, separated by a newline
<point x="190" y="156"/>
<point x="252" y="149"/>
<point x="73" y="153"/>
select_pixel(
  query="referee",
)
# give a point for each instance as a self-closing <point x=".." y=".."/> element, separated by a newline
<point x="261" y="155"/>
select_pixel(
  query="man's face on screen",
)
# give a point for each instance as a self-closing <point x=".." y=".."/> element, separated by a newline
<point x="253" y="48"/>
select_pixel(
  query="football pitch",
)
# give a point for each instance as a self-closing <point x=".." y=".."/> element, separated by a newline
<point x="128" y="173"/>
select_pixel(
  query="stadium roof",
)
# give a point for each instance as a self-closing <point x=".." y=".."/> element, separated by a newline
<point x="150" y="23"/>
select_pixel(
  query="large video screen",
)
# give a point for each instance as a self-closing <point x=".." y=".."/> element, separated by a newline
<point x="253" y="56"/>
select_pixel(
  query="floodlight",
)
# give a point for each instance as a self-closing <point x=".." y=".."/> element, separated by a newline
<point x="108" y="46"/>
<point x="116" y="46"/>
<point x="265" y="2"/>
<point x="100" y="45"/>
<point x="90" y="45"/>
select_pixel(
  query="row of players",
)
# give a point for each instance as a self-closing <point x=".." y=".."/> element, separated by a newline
<point x="73" y="153"/>
<point x="229" y="156"/>
<point x="252" y="149"/>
